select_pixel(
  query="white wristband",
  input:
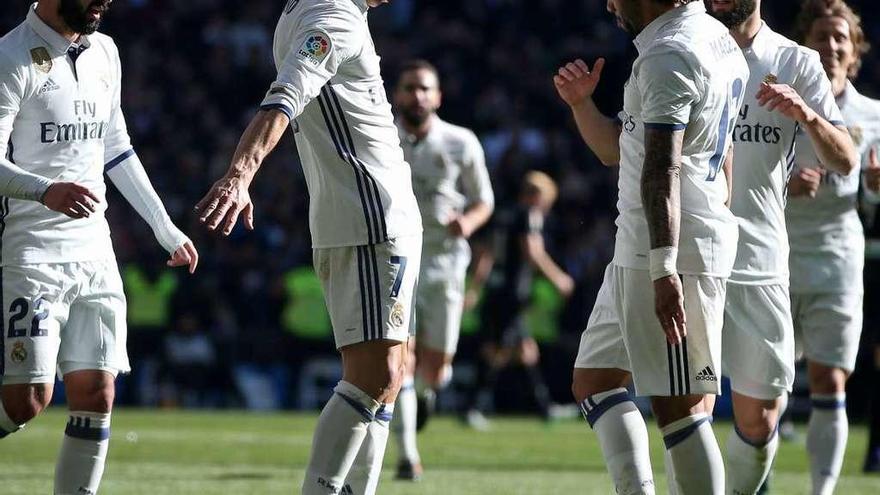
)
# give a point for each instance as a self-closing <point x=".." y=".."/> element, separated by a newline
<point x="662" y="262"/>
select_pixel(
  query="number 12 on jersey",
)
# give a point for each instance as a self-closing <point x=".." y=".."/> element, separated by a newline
<point x="725" y="128"/>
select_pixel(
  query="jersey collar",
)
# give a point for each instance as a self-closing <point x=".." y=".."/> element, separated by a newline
<point x="761" y="43"/>
<point x="649" y="34"/>
<point x="849" y="94"/>
<point x="56" y="42"/>
<point x="362" y="4"/>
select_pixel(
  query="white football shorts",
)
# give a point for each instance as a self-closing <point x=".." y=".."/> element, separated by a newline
<point x="60" y="318"/>
<point x="827" y="327"/>
<point x="602" y="343"/>
<point x="660" y="369"/>
<point x="370" y="290"/>
<point x="759" y="340"/>
<point x="440" y="300"/>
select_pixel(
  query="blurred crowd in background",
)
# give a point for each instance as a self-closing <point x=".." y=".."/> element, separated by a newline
<point x="249" y="329"/>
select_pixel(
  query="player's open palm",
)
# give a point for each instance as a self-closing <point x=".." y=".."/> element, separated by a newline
<point x="575" y="82"/>
<point x="872" y="172"/>
<point x="669" y="308"/>
<point x="227" y="199"/>
<point x="71" y="199"/>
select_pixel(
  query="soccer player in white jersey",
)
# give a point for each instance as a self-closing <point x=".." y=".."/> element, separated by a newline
<point x="787" y="91"/>
<point x="364" y="220"/>
<point x="827" y="240"/>
<point x="455" y="197"/>
<point x="61" y="299"/>
<point x="659" y="313"/>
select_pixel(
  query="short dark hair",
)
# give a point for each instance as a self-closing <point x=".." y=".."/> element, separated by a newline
<point x="418" y="64"/>
<point x="813" y="10"/>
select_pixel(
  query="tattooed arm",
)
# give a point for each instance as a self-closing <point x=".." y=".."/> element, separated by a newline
<point x="661" y="198"/>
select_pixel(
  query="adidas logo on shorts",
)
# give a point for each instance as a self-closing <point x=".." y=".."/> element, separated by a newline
<point x="707" y="375"/>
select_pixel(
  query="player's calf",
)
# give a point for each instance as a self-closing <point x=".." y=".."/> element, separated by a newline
<point x="22" y="403"/>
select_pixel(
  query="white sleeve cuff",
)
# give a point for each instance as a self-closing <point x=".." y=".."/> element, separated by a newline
<point x="663" y="262"/>
<point x="18" y="183"/>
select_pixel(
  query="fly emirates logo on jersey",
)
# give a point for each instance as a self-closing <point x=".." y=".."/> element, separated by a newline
<point x="748" y="132"/>
<point x="86" y="127"/>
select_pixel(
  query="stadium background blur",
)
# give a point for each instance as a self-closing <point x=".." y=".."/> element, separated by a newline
<point x="249" y="329"/>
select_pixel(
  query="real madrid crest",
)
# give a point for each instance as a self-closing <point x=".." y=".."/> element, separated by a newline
<point x="19" y="353"/>
<point x="771" y="79"/>
<point x="397" y="315"/>
<point x="41" y="58"/>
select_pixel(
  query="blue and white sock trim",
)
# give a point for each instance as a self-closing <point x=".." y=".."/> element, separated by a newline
<point x="88" y="426"/>
<point x="757" y="445"/>
<point x="594" y="406"/>
<point x="680" y="430"/>
<point x="828" y="401"/>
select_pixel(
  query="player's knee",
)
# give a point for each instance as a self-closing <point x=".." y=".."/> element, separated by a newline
<point x="24" y="403"/>
<point x="97" y="398"/>
<point x="828" y="381"/>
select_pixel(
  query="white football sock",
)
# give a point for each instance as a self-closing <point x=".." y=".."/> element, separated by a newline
<point x="404" y="423"/>
<point x="338" y="436"/>
<point x="748" y="462"/>
<point x="7" y="426"/>
<point x="363" y="478"/>
<point x="697" y="464"/>
<point x="623" y="437"/>
<point x="826" y="440"/>
<point x="83" y="453"/>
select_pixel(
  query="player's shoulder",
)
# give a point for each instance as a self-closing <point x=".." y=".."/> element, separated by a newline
<point x="104" y="43"/>
<point x="867" y="108"/>
<point x="333" y="13"/>
<point x="16" y="47"/>
<point x="791" y="53"/>
<point x="456" y="134"/>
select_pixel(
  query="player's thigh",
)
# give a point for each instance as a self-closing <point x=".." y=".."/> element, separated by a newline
<point x="94" y="337"/>
<point x="830" y="328"/>
<point x="34" y="310"/>
<point x="370" y="290"/>
<point x="758" y="340"/>
<point x="602" y="345"/>
<point x="659" y="368"/>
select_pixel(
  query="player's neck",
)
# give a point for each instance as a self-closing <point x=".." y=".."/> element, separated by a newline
<point x="52" y="19"/>
<point x="745" y="33"/>
<point x="838" y="86"/>
<point x="418" y="130"/>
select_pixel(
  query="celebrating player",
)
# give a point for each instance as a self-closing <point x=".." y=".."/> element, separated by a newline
<point x="788" y="91"/>
<point x="455" y="197"/>
<point x="827" y="240"/>
<point x="658" y="314"/>
<point x="61" y="291"/>
<point x="364" y="220"/>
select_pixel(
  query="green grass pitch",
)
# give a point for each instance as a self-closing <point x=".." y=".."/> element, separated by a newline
<point x="188" y="453"/>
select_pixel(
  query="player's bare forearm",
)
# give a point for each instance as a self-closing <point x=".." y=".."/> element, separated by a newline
<point x="661" y="186"/>
<point x="833" y="144"/>
<point x="258" y="140"/>
<point x="599" y="132"/>
<point x="727" y="167"/>
<point x="478" y="214"/>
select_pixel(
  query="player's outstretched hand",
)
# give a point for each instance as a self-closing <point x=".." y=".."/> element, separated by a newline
<point x="565" y="285"/>
<point x="872" y="172"/>
<point x="185" y="255"/>
<point x="785" y="100"/>
<point x="227" y="199"/>
<point x="805" y="182"/>
<point x="669" y="308"/>
<point x="575" y="82"/>
<point x="70" y="199"/>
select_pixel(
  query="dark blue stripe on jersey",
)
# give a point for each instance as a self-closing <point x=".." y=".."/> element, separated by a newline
<point x="379" y="327"/>
<point x="364" y="289"/>
<point x="838" y="123"/>
<point x="357" y="406"/>
<point x="827" y="403"/>
<point x="384" y="415"/>
<point x="665" y="127"/>
<point x="351" y="156"/>
<point x="606" y="404"/>
<point x="342" y="154"/>
<point x="2" y="327"/>
<point x="681" y="435"/>
<point x="10" y="152"/>
<point x="119" y="159"/>
<point x="278" y="106"/>
<point x="4" y="212"/>
<point x="351" y="147"/>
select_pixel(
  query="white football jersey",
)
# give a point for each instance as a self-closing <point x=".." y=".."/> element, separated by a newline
<point x="449" y="174"/>
<point x="690" y="75"/>
<point x="60" y="118"/>
<point x="825" y="233"/>
<point x="764" y="154"/>
<point x="360" y="189"/>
